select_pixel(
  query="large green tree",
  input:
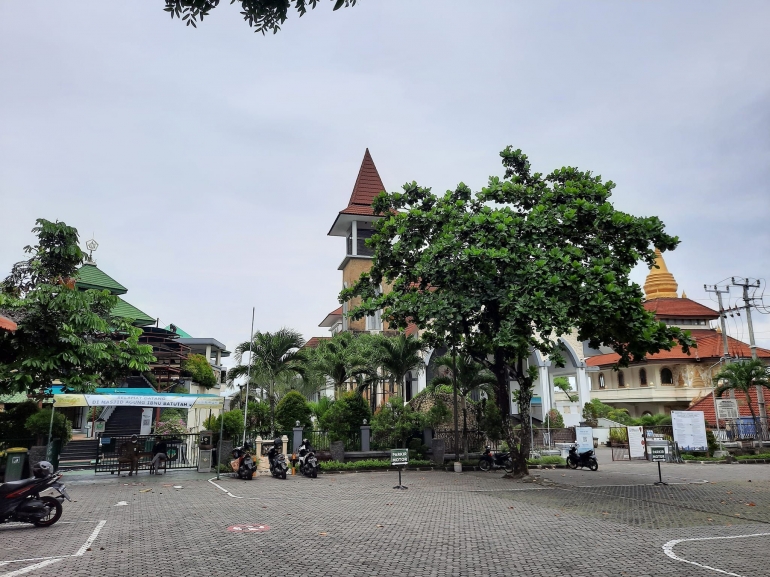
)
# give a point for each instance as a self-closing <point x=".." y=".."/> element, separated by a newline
<point x="262" y="15"/>
<point x="64" y="334"/>
<point x="507" y="270"/>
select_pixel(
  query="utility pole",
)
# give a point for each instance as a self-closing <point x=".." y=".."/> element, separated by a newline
<point x="719" y="292"/>
<point x="752" y="344"/>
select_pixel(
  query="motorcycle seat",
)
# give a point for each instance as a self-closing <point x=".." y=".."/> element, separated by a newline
<point x="12" y="486"/>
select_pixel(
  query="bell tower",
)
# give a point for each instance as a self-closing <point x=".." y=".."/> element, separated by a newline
<point x="355" y="224"/>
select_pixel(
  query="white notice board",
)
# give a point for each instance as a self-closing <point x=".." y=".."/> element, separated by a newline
<point x="635" y="442"/>
<point x="584" y="437"/>
<point x="689" y="430"/>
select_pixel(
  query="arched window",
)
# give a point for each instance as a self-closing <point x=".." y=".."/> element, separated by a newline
<point x="666" y="377"/>
<point x="643" y="377"/>
<point x="601" y="381"/>
<point x="621" y="379"/>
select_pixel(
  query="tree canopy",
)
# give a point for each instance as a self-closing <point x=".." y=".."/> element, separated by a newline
<point x="262" y="15"/>
<point x="508" y="270"/>
<point x="63" y="333"/>
<point x="199" y="370"/>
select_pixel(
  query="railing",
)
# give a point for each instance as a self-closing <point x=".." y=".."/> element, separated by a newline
<point x="114" y="452"/>
<point x="743" y="429"/>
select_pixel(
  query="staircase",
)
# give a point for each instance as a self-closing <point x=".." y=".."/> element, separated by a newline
<point x="124" y="421"/>
<point x="77" y="454"/>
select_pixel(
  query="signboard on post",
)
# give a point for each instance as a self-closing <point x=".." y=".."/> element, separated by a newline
<point x="689" y="430"/>
<point x="658" y="454"/>
<point x="584" y="437"/>
<point x="727" y="409"/>
<point x="636" y="442"/>
<point x="399" y="457"/>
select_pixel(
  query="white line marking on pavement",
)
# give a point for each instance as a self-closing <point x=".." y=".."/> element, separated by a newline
<point x="90" y="539"/>
<point x="49" y="560"/>
<point x="31" y="568"/>
<point x="668" y="549"/>
<point x="229" y="494"/>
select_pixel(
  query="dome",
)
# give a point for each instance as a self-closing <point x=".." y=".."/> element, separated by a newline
<point x="660" y="283"/>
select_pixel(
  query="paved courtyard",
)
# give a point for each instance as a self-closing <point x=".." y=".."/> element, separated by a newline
<point x="610" y="523"/>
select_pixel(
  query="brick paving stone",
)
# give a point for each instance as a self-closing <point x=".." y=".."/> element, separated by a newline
<point x="572" y="523"/>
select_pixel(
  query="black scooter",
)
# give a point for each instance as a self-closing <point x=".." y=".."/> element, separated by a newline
<point x="20" y="501"/>
<point x="490" y="460"/>
<point x="278" y="465"/>
<point x="587" y="459"/>
<point x="243" y="465"/>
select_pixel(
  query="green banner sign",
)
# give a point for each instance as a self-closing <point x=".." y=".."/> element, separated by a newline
<point x="399" y="457"/>
<point x="658" y="454"/>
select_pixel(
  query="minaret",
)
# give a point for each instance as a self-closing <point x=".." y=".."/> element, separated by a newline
<point x="355" y="224"/>
<point x="660" y="283"/>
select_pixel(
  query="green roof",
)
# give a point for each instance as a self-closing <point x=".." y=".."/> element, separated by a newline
<point x="129" y="311"/>
<point x="13" y="399"/>
<point x="89" y="276"/>
<point x="179" y="331"/>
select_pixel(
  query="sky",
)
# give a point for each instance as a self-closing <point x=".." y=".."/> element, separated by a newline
<point x="210" y="163"/>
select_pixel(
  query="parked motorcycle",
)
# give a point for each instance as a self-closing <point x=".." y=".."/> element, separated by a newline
<point x="243" y="464"/>
<point x="308" y="463"/>
<point x="586" y="459"/>
<point x="277" y="460"/>
<point x="20" y="501"/>
<point x="490" y="460"/>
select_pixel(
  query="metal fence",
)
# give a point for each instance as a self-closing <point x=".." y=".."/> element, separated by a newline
<point x="743" y="429"/>
<point x="114" y="453"/>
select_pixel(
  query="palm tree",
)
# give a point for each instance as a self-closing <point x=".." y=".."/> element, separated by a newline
<point x="338" y="359"/>
<point x="274" y="356"/>
<point x="740" y="377"/>
<point x="470" y="375"/>
<point x="398" y="356"/>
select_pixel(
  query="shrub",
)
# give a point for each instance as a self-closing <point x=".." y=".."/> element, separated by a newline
<point x="553" y="420"/>
<point x="258" y="416"/>
<point x="12" y="421"/>
<point x="199" y="370"/>
<point x="39" y="423"/>
<point x="417" y="450"/>
<point x="345" y="417"/>
<point x="491" y="420"/>
<point x="171" y="426"/>
<point x="548" y="460"/>
<point x="232" y="427"/>
<point x="292" y="408"/>
<point x="439" y="413"/>
<point x="366" y="464"/>
<point x="711" y="441"/>
<point x="397" y="420"/>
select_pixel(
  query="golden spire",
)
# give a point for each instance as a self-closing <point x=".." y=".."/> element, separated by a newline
<point x="684" y="295"/>
<point x="660" y="283"/>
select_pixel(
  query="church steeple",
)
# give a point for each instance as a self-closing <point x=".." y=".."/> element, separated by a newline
<point x="660" y="283"/>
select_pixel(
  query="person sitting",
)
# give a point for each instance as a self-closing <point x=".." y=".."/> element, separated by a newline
<point x="159" y="455"/>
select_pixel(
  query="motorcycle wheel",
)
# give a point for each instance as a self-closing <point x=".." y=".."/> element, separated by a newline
<point x="571" y="463"/>
<point x="53" y="515"/>
<point x="283" y="475"/>
<point x="508" y="466"/>
<point x="483" y="464"/>
<point x="314" y="474"/>
<point x="250" y="475"/>
<point x="593" y="464"/>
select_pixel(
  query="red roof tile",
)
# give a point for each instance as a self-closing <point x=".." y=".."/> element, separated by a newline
<point x="368" y="185"/>
<point x="706" y="404"/>
<point x="684" y="307"/>
<point x="411" y="329"/>
<point x="709" y="347"/>
<point x="7" y="324"/>
<point x="314" y="342"/>
<point x="358" y="210"/>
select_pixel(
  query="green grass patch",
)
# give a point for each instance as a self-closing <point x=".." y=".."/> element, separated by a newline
<point x="750" y="457"/>
<point x="366" y="464"/>
<point x="548" y="460"/>
<point x="688" y="457"/>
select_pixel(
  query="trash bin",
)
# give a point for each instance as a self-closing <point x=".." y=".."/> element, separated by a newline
<point x="16" y="463"/>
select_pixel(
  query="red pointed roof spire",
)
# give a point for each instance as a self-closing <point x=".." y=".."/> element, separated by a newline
<point x="368" y="185"/>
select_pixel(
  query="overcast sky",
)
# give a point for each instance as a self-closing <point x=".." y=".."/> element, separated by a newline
<point x="209" y="163"/>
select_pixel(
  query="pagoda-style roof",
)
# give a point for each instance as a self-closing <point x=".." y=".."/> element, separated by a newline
<point x="679" y="308"/>
<point x="368" y="185"/>
<point x="128" y="311"/>
<point x="89" y="276"/>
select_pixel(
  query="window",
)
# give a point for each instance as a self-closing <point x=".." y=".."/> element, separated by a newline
<point x="374" y="322"/>
<point x="666" y="377"/>
<point x="621" y="379"/>
<point x="601" y="381"/>
<point x="643" y="377"/>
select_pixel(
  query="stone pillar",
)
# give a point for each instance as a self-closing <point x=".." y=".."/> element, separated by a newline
<point x="285" y="441"/>
<point x="438" y="452"/>
<point x="296" y="437"/>
<point x="365" y="436"/>
<point x="337" y="449"/>
<point x="427" y="436"/>
<point x="583" y="386"/>
<point x="258" y="446"/>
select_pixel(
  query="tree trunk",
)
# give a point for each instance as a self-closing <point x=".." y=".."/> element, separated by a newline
<point x="519" y="448"/>
<point x="465" y="429"/>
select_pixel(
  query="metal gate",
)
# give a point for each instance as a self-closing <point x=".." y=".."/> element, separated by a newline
<point x="116" y="453"/>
